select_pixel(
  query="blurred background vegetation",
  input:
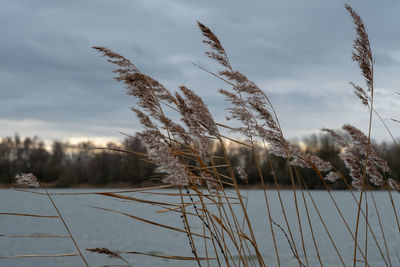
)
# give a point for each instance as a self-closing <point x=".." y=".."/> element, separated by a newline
<point x="63" y="165"/>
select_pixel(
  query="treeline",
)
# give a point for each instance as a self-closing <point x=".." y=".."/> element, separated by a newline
<point x="63" y="165"/>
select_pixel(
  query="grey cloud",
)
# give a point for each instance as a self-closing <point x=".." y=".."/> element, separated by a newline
<point x="48" y="71"/>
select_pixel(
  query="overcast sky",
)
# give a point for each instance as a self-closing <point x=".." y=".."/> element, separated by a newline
<point x="53" y="85"/>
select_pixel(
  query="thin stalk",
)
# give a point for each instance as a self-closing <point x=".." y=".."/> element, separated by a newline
<point x="369" y="226"/>
<point x="65" y="225"/>
<point x="394" y="206"/>
<point x="279" y="197"/>
<point x="219" y="205"/>
<point x="325" y="227"/>
<point x="381" y="227"/>
<point x="297" y="213"/>
<point x="187" y="228"/>
<point x="366" y="158"/>
<point x="366" y="229"/>
<point x="253" y="239"/>
<point x="300" y="179"/>
<point x="319" y="175"/>
<point x="266" y="203"/>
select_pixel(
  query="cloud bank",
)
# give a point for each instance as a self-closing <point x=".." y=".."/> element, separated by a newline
<point x="52" y="84"/>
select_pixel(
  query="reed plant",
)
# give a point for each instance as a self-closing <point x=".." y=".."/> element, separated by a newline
<point x="181" y="137"/>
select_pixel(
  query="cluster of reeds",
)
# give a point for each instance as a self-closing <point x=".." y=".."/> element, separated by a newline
<point x="208" y="186"/>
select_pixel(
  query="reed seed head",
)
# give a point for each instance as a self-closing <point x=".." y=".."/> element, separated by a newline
<point x="27" y="179"/>
<point x="106" y="251"/>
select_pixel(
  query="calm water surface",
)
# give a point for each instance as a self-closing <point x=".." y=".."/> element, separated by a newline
<point x="96" y="228"/>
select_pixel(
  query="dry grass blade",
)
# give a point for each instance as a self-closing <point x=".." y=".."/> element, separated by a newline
<point x="135" y="199"/>
<point x="149" y="222"/>
<point x="252" y="243"/>
<point x="321" y="178"/>
<point x="170" y="257"/>
<point x="94" y="193"/>
<point x="177" y="194"/>
<point x="219" y="221"/>
<point x="178" y="210"/>
<point x="65" y="225"/>
<point x="28" y="215"/>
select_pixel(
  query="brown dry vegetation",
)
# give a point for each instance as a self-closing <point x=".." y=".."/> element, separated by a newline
<point x="181" y="151"/>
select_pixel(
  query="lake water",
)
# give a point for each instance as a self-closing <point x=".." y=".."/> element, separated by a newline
<point x="96" y="228"/>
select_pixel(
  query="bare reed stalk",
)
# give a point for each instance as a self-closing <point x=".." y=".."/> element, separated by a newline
<point x="199" y="194"/>
<point x="28" y="179"/>
<point x="387" y="187"/>
<point x="241" y="110"/>
<point x="363" y="56"/>
<point x="351" y="159"/>
<point x="364" y="214"/>
<point x="66" y="226"/>
<point x="324" y="224"/>
<point x="221" y="208"/>
<point x="298" y="213"/>
<point x="187" y="227"/>
<point x="266" y="203"/>
<point x="381" y="227"/>
<point x="224" y="214"/>
<point x="279" y="196"/>
<point x="253" y="239"/>
<point x="182" y="153"/>
<point x="300" y="181"/>
<point x="320" y="176"/>
<point x="232" y="237"/>
<point x="368" y="224"/>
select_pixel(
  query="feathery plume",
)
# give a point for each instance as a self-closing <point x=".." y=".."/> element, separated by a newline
<point x="332" y="176"/>
<point x="249" y="100"/>
<point x="106" y="251"/>
<point x="352" y="164"/>
<point x="361" y="94"/>
<point x="145" y="89"/>
<point x="27" y="179"/>
<point x="358" y="138"/>
<point x="375" y="176"/>
<point x="362" y="54"/>
<point x="303" y="159"/>
<point x="360" y="141"/>
<point x="160" y="151"/>
<point x="339" y="139"/>
<point x="242" y="174"/>
<point x="195" y="129"/>
<point x="200" y="111"/>
<point x="218" y="52"/>
<point x="116" y="59"/>
<point x="354" y="153"/>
